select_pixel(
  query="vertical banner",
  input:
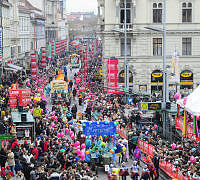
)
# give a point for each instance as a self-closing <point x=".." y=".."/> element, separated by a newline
<point x="53" y="49"/>
<point x="1" y="52"/>
<point x="112" y="79"/>
<point x="49" y="50"/>
<point x="33" y="66"/>
<point x="44" y="56"/>
<point x="23" y="96"/>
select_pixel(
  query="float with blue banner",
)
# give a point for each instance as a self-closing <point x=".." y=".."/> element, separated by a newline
<point x="99" y="142"/>
<point x="99" y="128"/>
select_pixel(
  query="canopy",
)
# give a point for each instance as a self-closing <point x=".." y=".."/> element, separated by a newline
<point x="15" y="67"/>
<point x="193" y="102"/>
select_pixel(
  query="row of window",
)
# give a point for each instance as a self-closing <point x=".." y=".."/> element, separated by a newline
<point x="158" y="47"/>
<point x="158" y="12"/>
<point x="24" y="24"/>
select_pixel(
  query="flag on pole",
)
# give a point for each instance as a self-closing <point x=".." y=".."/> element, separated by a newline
<point x="184" y="124"/>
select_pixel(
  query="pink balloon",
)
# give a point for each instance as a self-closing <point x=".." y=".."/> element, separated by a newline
<point x="66" y="130"/>
<point x="31" y="110"/>
<point x="78" y="143"/>
<point x="72" y="137"/>
<point x="192" y="159"/>
<point x="62" y="134"/>
<point x="42" y="110"/>
<point x="184" y="100"/>
<point x="82" y="146"/>
<point x="78" y="152"/>
<point x="155" y="126"/>
<point x="58" y="135"/>
<point x="52" y="124"/>
<point x="34" y="100"/>
<point x="82" y="155"/>
<point x="173" y="146"/>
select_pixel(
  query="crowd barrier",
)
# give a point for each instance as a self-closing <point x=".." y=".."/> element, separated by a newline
<point x="167" y="167"/>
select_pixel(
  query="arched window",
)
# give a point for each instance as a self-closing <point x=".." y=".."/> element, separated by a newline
<point x="157" y="12"/>
<point x="187" y="12"/>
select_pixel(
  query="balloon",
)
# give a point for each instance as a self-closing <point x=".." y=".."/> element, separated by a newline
<point x="82" y="156"/>
<point x="173" y="146"/>
<point x="58" y="135"/>
<point x="42" y="110"/>
<point x="124" y="148"/>
<point x="103" y="144"/>
<point x="82" y="146"/>
<point x="112" y="150"/>
<point x="77" y="143"/>
<point x="192" y="159"/>
<point x="62" y="134"/>
<point x="52" y="124"/>
<point x="78" y="152"/>
<point x="34" y="100"/>
<point x="66" y="130"/>
<point x="177" y="96"/>
<point x="31" y="110"/>
<point x="72" y="137"/>
<point x="155" y="126"/>
<point x="78" y="147"/>
<point x="184" y="100"/>
<point x="87" y="152"/>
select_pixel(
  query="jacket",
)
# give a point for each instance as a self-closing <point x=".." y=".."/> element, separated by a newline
<point x="11" y="159"/>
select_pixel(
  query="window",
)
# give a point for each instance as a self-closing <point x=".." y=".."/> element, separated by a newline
<point x="187" y="12"/>
<point x="187" y="46"/>
<point x="157" y="12"/>
<point x="128" y="12"/>
<point x="128" y="49"/>
<point x="157" y="46"/>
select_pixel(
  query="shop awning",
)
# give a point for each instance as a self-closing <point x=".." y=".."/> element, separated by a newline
<point x="15" y="67"/>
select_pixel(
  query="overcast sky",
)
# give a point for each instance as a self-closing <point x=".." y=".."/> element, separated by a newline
<point x="81" y="5"/>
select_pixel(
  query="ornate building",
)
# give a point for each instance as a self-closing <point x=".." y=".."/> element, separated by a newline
<point x="145" y="45"/>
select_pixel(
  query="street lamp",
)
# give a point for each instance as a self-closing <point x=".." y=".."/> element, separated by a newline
<point x="165" y="76"/>
<point x="126" y="67"/>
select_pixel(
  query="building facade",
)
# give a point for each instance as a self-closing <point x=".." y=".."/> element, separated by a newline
<point x="145" y="45"/>
<point x="5" y="31"/>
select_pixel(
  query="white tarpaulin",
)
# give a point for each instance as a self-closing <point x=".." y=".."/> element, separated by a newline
<point x="193" y="102"/>
<point x="15" y="67"/>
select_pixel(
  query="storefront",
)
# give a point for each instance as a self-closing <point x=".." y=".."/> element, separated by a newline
<point x="121" y="78"/>
<point x="156" y="81"/>
<point x="186" y="80"/>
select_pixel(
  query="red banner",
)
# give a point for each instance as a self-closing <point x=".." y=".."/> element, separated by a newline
<point x="33" y="66"/>
<point x="189" y="132"/>
<point x="112" y="79"/>
<point x="166" y="166"/>
<point x="40" y="90"/>
<point x="43" y="53"/>
<point x="23" y="96"/>
<point x="82" y="88"/>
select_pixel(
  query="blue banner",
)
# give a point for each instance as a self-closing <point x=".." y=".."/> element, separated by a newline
<point x="99" y="128"/>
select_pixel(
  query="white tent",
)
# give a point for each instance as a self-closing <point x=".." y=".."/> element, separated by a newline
<point x="193" y="102"/>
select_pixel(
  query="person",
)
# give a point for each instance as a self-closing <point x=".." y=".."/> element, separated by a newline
<point x="11" y="161"/>
<point x="156" y="160"/>
<point x="74" y="93"/>
<point x="123" y="171"/>
<point x="145" y="173"/>
<point x="20" y="176"/>
<point x="137" y="154"/>
<point x="74" y="111"/>
<point x="3" y="157"/>
<point x="135" y="171"/>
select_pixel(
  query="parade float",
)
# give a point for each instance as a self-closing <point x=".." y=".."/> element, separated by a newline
<point x="188" y="116"/>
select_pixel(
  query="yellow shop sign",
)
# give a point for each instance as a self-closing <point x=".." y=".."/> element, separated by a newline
<point x="186" y="74"/>
<point x="157" y="75"/>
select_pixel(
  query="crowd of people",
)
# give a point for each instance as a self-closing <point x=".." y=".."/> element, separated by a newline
<point x="60" y="150"/>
